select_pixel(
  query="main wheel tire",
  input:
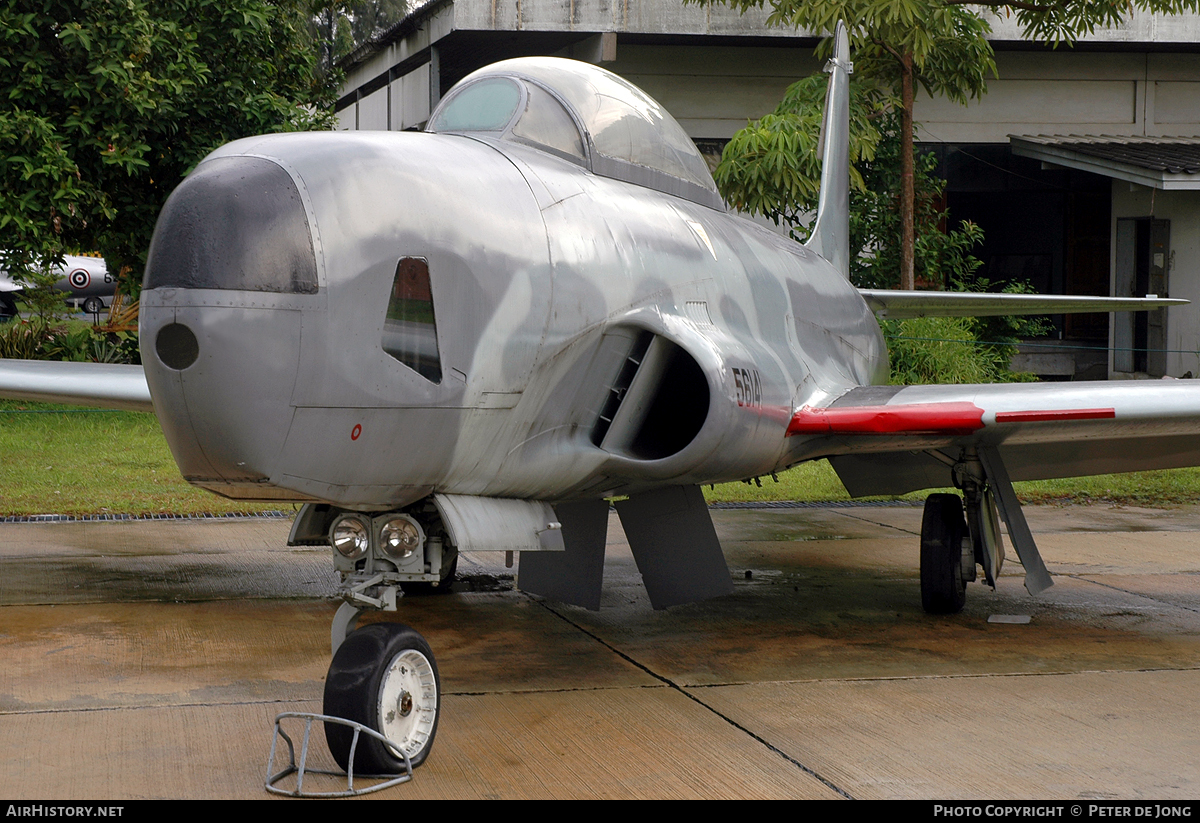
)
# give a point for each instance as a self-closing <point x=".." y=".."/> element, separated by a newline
<point x="943" y="590"/>
<point x="93" y="305"/>
<point x="383" y="676"/>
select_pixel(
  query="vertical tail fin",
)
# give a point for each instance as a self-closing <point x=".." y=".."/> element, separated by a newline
<point x="831" y="233"/>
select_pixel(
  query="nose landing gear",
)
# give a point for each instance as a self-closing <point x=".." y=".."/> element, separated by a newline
<point x="383" y="677"/>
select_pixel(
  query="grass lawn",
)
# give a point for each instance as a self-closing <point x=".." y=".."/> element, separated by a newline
<point x="817" y="481"/>
<point x="66" y="460"/>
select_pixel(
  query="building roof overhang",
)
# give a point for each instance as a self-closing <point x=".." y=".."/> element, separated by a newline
<point x="1167" y="163"/>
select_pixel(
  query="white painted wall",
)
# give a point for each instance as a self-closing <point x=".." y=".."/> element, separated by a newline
<point x="713" y="91"/>
<point x="1066" y="92"/>
<point x="372" y="111"/>
<point x="1182" y="208"/>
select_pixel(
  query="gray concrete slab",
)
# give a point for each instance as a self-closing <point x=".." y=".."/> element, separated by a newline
<point x="147" y="659"/>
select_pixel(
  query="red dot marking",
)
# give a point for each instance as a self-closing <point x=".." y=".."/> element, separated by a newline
<point x="356" y="431"/>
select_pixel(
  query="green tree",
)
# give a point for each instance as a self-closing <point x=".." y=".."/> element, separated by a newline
<point x="109" y="105"/>
<point x="901" y="44"/>
<point x="341" y="26"/>
<point x="771" y="168"/>
<point x="940" y="45"/>
<point x="1065" y="21"/>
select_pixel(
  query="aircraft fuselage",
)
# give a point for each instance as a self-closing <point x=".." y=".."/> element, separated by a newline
<point x="588" y="336"/>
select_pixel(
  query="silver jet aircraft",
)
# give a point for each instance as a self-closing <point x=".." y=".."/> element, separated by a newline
<point x="472" y="338"/>
<point x="85" y="281"/>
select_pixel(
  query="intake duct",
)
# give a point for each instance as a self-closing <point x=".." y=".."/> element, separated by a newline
<point x="656" y="404"/>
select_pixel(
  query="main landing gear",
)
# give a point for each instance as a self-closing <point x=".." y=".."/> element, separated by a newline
<point x="955" y="542"/>
<point x="953" y="545"/>
<point x="947" y="561"/>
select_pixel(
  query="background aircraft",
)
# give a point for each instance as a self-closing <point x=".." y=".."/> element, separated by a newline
<point x="472" y="338"/>
<point x="84" y="280"/>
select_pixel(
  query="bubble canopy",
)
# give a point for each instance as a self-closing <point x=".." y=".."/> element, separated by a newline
<point x="584" y="114"/>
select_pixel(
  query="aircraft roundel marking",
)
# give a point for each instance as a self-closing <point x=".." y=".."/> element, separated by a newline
<point x="356" y="431"/>
<point x="80" y="279"/>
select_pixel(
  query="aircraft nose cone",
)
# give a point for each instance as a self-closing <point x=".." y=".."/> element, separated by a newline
<point x="234" y="223"/>
<point x="230" y="270"/>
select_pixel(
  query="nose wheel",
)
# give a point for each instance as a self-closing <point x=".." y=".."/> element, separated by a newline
<point x="383" y="676"/>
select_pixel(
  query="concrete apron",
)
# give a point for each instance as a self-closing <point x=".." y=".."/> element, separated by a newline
<point x="149" y="659"/>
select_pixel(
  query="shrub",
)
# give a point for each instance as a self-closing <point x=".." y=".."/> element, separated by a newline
<point x="33" y="340"/>
<point x="19" y="340"/>
<point x="926" y="350"/>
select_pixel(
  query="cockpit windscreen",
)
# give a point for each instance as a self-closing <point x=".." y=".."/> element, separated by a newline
<point x="582" y="113"/>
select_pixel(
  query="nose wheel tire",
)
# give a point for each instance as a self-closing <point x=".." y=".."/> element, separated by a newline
<point x="93" y="305"/>
<point x="383" y="676"/>
<point x="943" y="589"/>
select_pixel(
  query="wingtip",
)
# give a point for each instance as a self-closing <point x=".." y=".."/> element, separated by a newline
<point x="841" y="36"/>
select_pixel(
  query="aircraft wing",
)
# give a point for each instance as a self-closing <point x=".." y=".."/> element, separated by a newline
<point x="100" y="385"/>
<point x="894" y="439"/>
<point x="902" y="304"/>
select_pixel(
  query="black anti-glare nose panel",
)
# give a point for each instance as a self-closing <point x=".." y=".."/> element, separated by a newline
<point x="234" y="223"/>
<point x="176" y="346"/>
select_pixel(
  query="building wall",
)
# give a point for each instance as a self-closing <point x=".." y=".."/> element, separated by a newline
<point x="1068" y="92"/>
<point x="714" y="90"/>
<point x="1182" y="208"/>
<point x="622" y="16"/>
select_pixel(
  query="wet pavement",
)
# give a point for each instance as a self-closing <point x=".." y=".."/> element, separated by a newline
<point x="148" y="659"/>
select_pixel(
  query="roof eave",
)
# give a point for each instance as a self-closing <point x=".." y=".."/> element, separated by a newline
<point x="1061" y="156"/>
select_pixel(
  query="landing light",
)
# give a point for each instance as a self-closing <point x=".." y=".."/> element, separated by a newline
<point x="400" y="537"/>
<point x="350" y="538"/>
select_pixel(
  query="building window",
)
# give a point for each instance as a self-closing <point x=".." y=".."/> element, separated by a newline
<point x="410" y="331"/>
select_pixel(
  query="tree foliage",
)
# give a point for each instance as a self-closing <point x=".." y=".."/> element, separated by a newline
<point x="342" y="26"/>
<point x="940" y="45"/>
<point x="943" y="44"/>
<point x="772" y="168"/>
<point x="109" y="103"/>
<point x="942" y="256"/>
<point x="1065" y="21"/>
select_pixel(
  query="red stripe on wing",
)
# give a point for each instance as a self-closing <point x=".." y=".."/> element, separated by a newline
<point x="915" y="418"/>
<point x="1052" y="415"/>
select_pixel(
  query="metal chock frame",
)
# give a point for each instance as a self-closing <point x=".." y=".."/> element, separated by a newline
<point x="301" y="770"/>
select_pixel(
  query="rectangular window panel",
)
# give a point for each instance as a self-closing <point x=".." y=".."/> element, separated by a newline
<point x="410" y="332"/>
